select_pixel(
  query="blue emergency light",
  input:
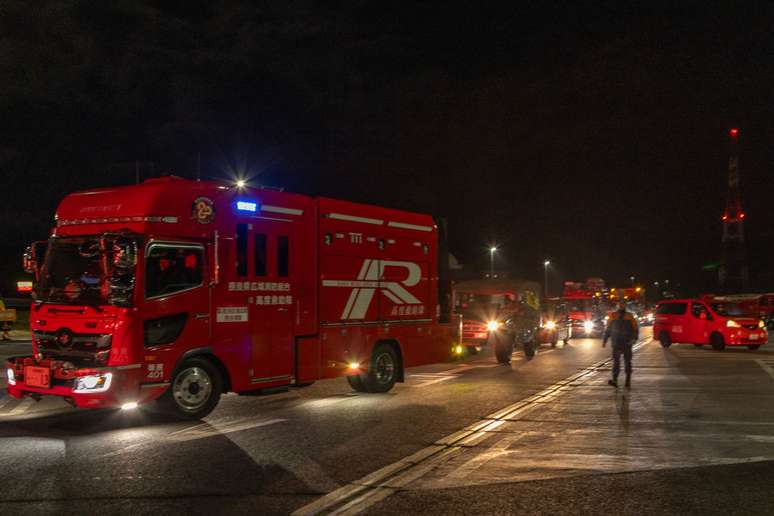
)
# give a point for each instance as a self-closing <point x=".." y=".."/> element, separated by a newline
<point x="247" y="206"/>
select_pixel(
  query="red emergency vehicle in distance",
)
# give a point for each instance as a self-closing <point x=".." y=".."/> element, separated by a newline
<point x="583" y="306"/>
<point x="181" y="290"/>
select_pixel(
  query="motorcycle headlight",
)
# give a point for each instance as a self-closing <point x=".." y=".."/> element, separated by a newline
<point x="93" y="383"/>
<point x="492" y="325"/>
<point x="588" y="326"/>
<point x="550" y="325"/>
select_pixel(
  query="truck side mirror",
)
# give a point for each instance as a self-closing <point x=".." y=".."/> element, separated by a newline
<point x="32" y="256"/>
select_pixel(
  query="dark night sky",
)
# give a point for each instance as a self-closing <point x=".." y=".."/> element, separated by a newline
<point x="592" y="135"/>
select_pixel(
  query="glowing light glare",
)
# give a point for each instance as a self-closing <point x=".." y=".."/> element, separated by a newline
<point x="250" y="206"/>
<point x="733" y="324"/>
<point x="492" y="249"/>
<point x="458" y="349"/>
<point x="129" y="406"/>
<point x="23" y="286"/>
<point x="11" y="376"/>
<point x="588" y="326"/>
<point x="546" y="263"/>
<point x="733" y="132"/>
<point x="761" y="324"/>
<point x="550" y="325"/>
<point x="354" y="365"/>
<point x="492" y="325"/>
<point x="240" y="183"/>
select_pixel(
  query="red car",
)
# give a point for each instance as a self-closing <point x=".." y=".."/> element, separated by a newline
<point x="718" y="323"/>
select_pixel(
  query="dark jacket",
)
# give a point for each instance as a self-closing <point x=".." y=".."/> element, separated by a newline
<point x="622" y="328"/>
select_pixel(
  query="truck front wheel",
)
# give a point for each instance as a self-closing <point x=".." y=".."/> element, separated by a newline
<point x="195" y="389"/>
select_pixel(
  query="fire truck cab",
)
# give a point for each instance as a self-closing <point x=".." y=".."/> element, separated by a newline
<point x="178" y="291"/>
<point x="506" y="311"/>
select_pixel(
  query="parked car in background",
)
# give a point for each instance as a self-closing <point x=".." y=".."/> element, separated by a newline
<point x="699" y="322"/>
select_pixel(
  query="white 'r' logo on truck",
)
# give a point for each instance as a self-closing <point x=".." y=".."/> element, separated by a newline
<point x="369" y="279"/>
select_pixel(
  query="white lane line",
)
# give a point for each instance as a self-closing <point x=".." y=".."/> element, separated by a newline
<point x="21" y="408"/>
<point x="361" y="494"/>
<point x="200" y="431"/>
<point x="5" y="400"/>
<point x="766" y="364"/>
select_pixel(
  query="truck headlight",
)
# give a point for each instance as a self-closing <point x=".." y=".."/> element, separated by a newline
<point x="93" y="383"/>
<point x="733" y="324"/>
<point x="11" y="376"/>
<point x="492" y="325"/>
<point x="588" y="326"/>
<point x="550" y="325"/>
<point x="761" y="324"/>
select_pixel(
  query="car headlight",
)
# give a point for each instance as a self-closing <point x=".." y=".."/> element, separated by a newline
<point x="93" y="383"/>
<point x="11" y="376"/>
<point x="588" y="326"/>
<point x="550" y="325"/>
<point x="761" y="324"/>
<point x="733" y="324"/>
<point x="492" y="325"/>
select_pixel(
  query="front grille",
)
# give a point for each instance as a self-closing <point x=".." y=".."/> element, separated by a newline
<point x="88" y="347"/>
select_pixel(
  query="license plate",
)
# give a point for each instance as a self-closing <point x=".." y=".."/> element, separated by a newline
<point x="37" y="377"/>
<point x="753" y="336"/>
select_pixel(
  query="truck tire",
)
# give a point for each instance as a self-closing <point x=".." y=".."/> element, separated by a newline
<point x="665" y="339"/>
<point x="356" y="383"/>
<point x="504" y="350"/>
<point x="383" y="370"/>
<point x="717" y="342"/>
<point x="530" y="347"/>
<point x="195" y="389"/>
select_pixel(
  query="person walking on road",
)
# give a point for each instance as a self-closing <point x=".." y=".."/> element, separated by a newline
<point x="622" y="329"/>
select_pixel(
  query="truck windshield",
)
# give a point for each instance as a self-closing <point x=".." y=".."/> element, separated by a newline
<point x="81" y="270"/>
<point x="731" y="310"/>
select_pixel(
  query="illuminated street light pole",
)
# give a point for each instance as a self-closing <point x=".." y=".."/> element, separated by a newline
<point x="545" y="277"/>
<point x="491" y="261"/>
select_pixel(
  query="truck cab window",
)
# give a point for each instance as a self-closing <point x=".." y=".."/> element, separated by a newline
<point x="260" y="254"/>
<point x="241" y="250"/>
<point x="283" y="256"/>
<point x="171" y="268"/>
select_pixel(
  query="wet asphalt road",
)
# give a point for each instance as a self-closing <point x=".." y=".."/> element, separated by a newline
<point x="696" y="433"/>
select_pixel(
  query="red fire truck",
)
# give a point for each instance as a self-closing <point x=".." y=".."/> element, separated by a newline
<point x="584" y="306"/>
<point x="178" y="291"/>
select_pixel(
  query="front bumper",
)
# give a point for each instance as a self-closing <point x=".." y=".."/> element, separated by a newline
<point x="745" y="337"/>
<point x="124" y="386"/>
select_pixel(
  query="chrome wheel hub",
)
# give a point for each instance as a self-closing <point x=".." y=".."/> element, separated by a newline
<point x="192" y="388"/>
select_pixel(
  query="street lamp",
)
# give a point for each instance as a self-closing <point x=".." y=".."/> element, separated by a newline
<point x="491" y="261"/>
<point x="545" y="277"/>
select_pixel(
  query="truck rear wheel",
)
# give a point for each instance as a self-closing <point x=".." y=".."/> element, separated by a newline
<point x="530" y="347"/>
<point x="382" y="371"/>
<point x="195" y="389"/>
<point x="717" y="342"/>
<point x="504" y="349"/>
